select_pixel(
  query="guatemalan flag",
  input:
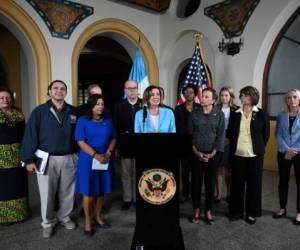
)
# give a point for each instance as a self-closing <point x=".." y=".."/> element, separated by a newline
<point x="138" y="72"/>
<point x="197" y="74"/>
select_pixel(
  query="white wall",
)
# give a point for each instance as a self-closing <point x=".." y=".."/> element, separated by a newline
<point x="173" y="42"/>
<point x="177" y="44"/>
<point x="61" y="49"/>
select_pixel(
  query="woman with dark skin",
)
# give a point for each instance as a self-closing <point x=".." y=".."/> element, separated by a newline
<point x="13" y="178"/>
<point x="96" y="138"/>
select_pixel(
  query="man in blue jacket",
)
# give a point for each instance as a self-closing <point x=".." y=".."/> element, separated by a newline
<point x="50" y="128"/>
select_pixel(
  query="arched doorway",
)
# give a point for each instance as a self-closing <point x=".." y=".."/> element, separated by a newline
<point x="106" y="62"/>
<point x="10" y="64"/>
<point x="3" y="72"/>
<point x="123" y="28"/>
<point x="36" y="53"/>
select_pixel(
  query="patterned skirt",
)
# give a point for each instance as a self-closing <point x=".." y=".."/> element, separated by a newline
<point x="13" y="195"/>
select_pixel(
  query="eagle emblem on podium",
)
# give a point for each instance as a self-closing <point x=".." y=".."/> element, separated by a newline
<point x="157" y="186"/>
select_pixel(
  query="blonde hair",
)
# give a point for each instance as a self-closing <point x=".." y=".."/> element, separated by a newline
<point x="232" y="96"/>
<point x="297" y="91"/>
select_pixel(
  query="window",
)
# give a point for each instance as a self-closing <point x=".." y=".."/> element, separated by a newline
<point x="282" y="70"/>
<point x="187" y="8"/>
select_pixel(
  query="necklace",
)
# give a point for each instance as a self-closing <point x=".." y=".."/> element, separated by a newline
<point x="97" y="119"/>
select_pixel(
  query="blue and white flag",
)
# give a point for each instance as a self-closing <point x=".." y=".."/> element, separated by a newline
<point x="138" y="72"/>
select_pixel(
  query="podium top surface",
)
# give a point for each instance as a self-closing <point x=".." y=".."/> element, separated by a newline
<point x="133" y="145"/>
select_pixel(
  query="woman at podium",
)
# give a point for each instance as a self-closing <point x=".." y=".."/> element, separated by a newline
<point x="208" y="139"/>
<point x="155" y="117"/>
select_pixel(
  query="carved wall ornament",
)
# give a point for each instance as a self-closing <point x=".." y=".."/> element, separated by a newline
<point x="61" y="16"/>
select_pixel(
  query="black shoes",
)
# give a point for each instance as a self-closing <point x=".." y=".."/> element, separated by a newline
<point x="235" y="217"/>
<point x="194" y="220"/>
<point x="279" y="215"/>
<point x="209" y="221"/>
<point x="103" y="225"/>
<point x="217" y="200"/>
<point x="296" y="222"/>
<point x="89" y="233"/>
<point x="126" y="205"/>
<point x="250" y="220"/>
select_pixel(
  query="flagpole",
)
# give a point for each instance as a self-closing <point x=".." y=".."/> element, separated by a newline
<point x="139" y="41"/>
<point x="198" y="36"/>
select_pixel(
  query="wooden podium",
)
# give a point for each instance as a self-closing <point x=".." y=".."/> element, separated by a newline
<point x="157" y="193"/>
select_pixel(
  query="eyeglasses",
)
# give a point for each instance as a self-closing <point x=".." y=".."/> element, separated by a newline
<point x="131" y="89"/>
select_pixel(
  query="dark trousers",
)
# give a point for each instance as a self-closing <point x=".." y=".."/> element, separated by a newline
<point x="186" y="166"/>
<point x="246" y="180"/>
<point x="284" y="167"/>
<point x="203" y="170"/>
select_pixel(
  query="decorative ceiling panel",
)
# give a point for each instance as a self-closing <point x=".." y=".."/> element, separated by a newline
<point x="61" y="16"/>
<point x="156" y="5"/>
<point x="232" y="15"/>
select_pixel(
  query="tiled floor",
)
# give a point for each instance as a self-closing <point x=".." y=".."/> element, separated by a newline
<point x="267" y="233"/>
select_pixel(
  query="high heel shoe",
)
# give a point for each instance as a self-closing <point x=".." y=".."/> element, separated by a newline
<point x="89" y="233"/>
<point x="296" y="222"/>
<point x="209" y="221"/>
<point x="103" y="225"/>
<point x="217" y="200"/>
<point x="279" y="215"/>
<point x="194" y="219"/>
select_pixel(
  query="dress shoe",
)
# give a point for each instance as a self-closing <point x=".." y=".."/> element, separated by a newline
<point x="278" y="215"/>
<point x="296" y="222"/>
<point x="235" y="217"/>
<point x="89" y="233"/>
<point x="209" y="221"/>
<point x="47" y="232"/>
<point x="70" y="225"/>
<point x="217" y="200"/>
<point x="194" y="220"/>
<point x="103" y="225"/>
<point x="126" y="205"/>
<point x="250" y="220"/>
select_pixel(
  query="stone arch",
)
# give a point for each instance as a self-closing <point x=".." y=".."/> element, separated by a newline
<point x="121" y="27"/>
<point x="15" y="14"/>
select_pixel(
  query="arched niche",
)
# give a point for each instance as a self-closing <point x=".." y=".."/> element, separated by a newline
<point x="121" y="27"/>
<point x="34" y="37"/>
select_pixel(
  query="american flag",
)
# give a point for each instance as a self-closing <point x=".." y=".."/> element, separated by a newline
<point x="197" y="74"/>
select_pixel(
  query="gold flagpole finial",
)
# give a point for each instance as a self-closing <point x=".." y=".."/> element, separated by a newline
<point x="198" y="36"/>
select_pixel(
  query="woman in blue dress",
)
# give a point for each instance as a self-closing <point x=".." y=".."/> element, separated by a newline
<point x="96" y="138"/>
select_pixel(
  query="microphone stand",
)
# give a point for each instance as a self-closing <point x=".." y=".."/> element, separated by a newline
<point x="144" y="117"/>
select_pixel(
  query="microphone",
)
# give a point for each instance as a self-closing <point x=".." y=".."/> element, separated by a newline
<point x="144" y="113"/>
